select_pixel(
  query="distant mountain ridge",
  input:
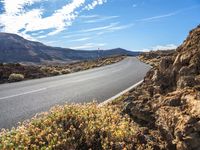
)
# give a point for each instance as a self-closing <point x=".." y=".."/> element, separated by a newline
<point x="15" y="49"/>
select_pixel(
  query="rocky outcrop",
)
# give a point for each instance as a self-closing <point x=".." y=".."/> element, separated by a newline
<point x="168" y="102"/>
<point x="153" y="57"/>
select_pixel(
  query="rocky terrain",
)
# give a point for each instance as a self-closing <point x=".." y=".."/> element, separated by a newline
<point x="166" y="106"/>
<point x="12" y="72"/>
<point x="153" y="57"/>
<point x="16" y="49"/>
<point x="162" y="113"/>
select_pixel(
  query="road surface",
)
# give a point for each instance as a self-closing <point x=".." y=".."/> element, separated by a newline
<point x="22" y="100"/>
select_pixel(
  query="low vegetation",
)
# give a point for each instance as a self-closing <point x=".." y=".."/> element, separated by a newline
<point x="73" y="127"/>
<point x="14" y="72"/>
<point x="15" y="77"/>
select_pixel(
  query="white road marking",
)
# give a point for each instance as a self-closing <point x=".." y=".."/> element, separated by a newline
<point x="121" y="93"/>
<point x="25" y="93"/>
<point x="52" y="86"/>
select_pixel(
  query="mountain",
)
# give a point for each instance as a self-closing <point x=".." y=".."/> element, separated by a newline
<point x="14" y="48"/>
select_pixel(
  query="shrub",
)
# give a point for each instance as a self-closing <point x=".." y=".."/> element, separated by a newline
<point x="16" y="77"/>
<point x="73" y="127"/>
<point x="55" y="72"/>
<point x="65" y="71"/>
<point x="46" y="69"/>
<point x="76" y="69"/>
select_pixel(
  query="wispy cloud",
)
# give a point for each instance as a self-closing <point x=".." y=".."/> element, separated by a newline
<point x="81" y="39"/>
<point x="108" y="28"/>
<point x="41" y="36"/>
<point x="100" y="19"/>
<point x="88" y="16"/>
<point x="134" y="5"/>
<point x="53" y="42"/>
<point x="115" y="28"/>
<point x="165" y="47"/>
<point x="121" y="27"/>
<point x="158" y="17"/>
<point x="18" y="19"/>
<point x="75" y="35"/>
<point x="87" y="34"/>
<point x="89" y="46"/>
<point x="160" y="47"/>
<point x="100" y="28"/>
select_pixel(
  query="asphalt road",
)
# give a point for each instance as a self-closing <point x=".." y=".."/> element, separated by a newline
<point x="22" y="100"/>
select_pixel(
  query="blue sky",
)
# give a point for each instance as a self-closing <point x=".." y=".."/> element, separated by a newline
<point x="105" y="24"/>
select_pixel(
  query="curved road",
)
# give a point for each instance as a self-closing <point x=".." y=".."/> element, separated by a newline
<point x="22" y="100"/>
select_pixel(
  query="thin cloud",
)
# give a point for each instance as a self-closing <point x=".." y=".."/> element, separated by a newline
<point x="109" y="28"/>
<point x="100" y="19"/>
<point x="112" y="27"/>
<point x="160" y="47"/>
<point x="121" y="27"/>
<point x="168" y="14"/>
<point x="116" y="28"/>
<point x="165" y="47"/>
<point x="71" y="35"/>
<point x="134" y="5"/>
<point x="89" y="46"/>
<point x="81" y="39"/>
<point x="88" y="16"/>
<point x="95" y="32"/>
<point x="42" y="36"/>
<point x="100" y="28"/>
<point x="158" y="17"/>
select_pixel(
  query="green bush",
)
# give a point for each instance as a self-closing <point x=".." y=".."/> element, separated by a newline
<point x="73" y="127"/>
<point x="16" y="77"/>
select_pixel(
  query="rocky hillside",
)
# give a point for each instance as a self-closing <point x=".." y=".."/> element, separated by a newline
<point x="15" y="49"/>
<point x="166" y="106"/>
<point x="153" y="57"/>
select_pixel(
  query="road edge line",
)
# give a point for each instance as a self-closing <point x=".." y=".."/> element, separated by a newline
<point x="121" y="93"/>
